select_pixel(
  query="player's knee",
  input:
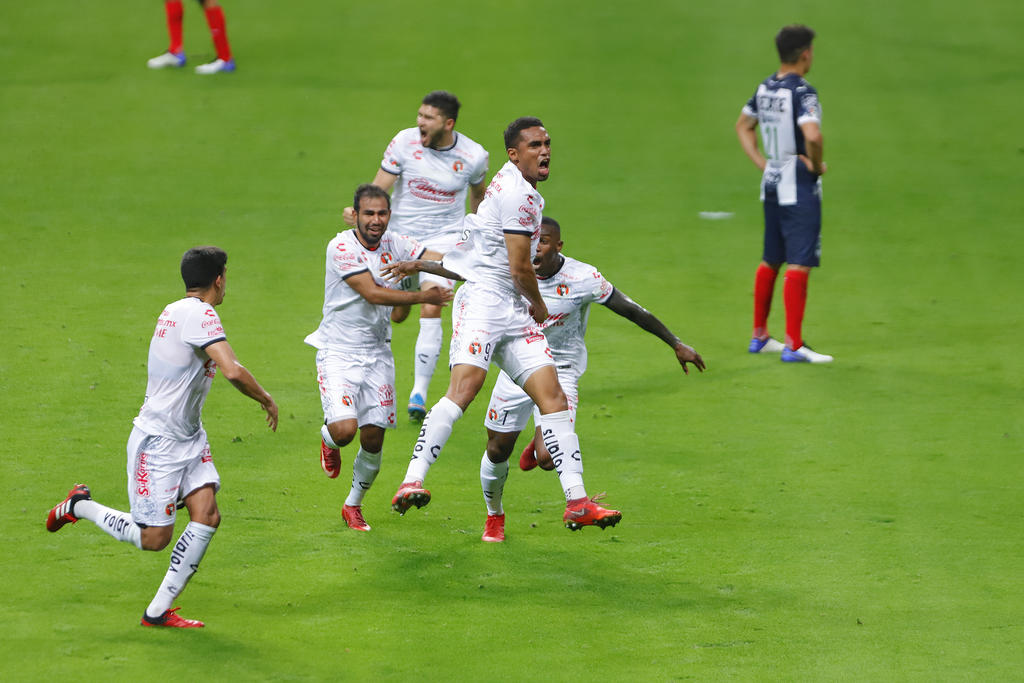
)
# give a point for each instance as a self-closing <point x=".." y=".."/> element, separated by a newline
<point x="342" y="432"/>
<point x="499" y="448"/>
<point x="371" y="441"/>
<point x="155" y="537"/>
<point x="399" y="314"/>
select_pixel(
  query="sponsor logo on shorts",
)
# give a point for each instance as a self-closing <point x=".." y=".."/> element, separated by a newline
<point x="474" y="348"/>
<point x="492" y="414"/>
<point x="386" y="394"/>
<point x="562" y="289"/>
<point x="205" y="455"/>
<point x="534" y="337"/>
<point x="142" y="475"/>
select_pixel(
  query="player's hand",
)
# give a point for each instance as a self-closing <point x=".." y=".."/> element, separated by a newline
<point x="271" y="408"/>
<point x="539" y="313"/>
<point x="397" y="270"/>
<point x="686" y="354"/>
<point x="438" y="296"/>
<point x="810" y="166"/>
<point x="349" y="216"/>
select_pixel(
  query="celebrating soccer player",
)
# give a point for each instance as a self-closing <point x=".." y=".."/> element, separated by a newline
<point x="786" y="108"/>
<point x="431" y="168"/>
<point x="355" y="367"/>
<point x="169" y="460"/>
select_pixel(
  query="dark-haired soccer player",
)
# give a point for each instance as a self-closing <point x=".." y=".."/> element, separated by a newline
<point x="786" y="108"/>
<point x="432" y="168"/>
<point x="175" y="55"/>
<point x="169" y="460"/>
<point x="495" y="319"/>
<point x="355" y="367"/>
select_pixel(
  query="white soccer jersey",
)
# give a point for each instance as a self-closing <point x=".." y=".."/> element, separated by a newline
<point x="511" y="205"/>
<point x="350" y="322"/>
<point x="568" y="295"/>
<point x="781" y="106"/>
<point x="180" y="371"/>
<point x="430" y="193"/>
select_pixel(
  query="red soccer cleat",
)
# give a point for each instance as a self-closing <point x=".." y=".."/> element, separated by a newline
<point x="409" y="494"/>
<point x="586" y="512"/>
<point x="170" y="619"/>
<point x="64" y="512"/>
<point x="494" y="529"/>
<point x="528" y="459"/>
<point x="353" y="515"/>
<point x="330" y="460"/>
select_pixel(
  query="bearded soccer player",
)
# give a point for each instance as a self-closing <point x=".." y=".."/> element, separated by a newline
<point x="432" y="169"/>
<point x="568" y="287"/>
<point x="355" y="367"/>
<point x="169" y="460"/>
<point x="174" y="58"/>
<point x="496" y="319"/>
<point x="786" y="108"/>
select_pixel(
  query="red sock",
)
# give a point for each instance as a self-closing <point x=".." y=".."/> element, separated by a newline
<point x="174" y="14"/>
<point x="794" y="293"/>
<point x="215" y="20"/>
<point x="764" y="286"/>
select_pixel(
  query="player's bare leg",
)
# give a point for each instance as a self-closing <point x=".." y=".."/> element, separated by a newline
<point x="559" y="438"/>
<point x="465" y="384"/>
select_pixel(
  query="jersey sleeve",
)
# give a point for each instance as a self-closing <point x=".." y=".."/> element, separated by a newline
<point x="600" y="289"/>
<point x="750" y="108"/>
<point x="808" y="109"/>
<point x="408" y="248"/>
<point x="520" y="213"/>
<point x="346" y="261"/>
<point x="202" y="328"/>
<point x="480" y="171"/>
<point x="392" y="161"/>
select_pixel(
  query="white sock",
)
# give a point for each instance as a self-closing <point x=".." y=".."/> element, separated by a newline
<point x="185" y="557"/>
<point x="562" y="443"/>
<point x="325" y="434"/>
<point x="492" y="480"/>
<point x="437" y="427"/>
<point x="364" y="470"/>
<point x="116" y="523"/>
<point x="428" y="350"/>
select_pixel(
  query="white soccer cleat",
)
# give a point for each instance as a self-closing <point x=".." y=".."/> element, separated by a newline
<point x="216" y="66"/>
<point x="804" y="354"/>
<point x="769" y="345"/>
<point x="168" y="60"/>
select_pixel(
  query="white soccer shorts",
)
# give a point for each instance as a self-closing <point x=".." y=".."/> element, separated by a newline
<point x="510" y="407"/>
<point x="162" y="472"/>
<point x="355" y="386"/>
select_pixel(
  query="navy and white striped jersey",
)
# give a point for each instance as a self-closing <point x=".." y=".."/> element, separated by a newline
<point x="781" y="106"/>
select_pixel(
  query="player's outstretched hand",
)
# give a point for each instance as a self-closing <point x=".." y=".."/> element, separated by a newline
<point x="349" y="216"/>
<point x="686" y="354"/>
<point x="438" y="296"/>
<point x="271" y="408"/>
<point x="396" y="270"/>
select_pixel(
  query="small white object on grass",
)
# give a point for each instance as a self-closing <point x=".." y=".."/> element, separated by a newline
<point x="716" y="215"/>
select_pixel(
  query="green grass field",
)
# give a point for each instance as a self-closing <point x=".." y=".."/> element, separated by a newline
<point x="859" y="521"/>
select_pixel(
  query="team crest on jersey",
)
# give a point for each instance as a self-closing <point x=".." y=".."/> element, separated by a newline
<point x="474" y="348"/>
<point x="386" y="394"/>
<point x="492" y="414"/>
<point x="562" y="289"/>
<point x="386" y="258"/>
<point x="169" y="510"/>
<point x="457" y="166"/>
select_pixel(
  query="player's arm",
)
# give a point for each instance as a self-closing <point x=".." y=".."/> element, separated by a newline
<point x="523" y="276"/>
<point x="365" y="286"/>
<point x="476" y="195"/>
<point x="384" y="181"/>
<point x="645" y="320"/>
<point x="746" y="131"/>
<point x="814" y="145"/>
<point x="399" y="269"/>
<point x="223" y="355"/>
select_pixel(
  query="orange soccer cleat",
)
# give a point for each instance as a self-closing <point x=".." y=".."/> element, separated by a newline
<point x="586" y="512"/>
<point x="64" y="512"/>
<point x="170" y="619"/>
<point x="409" y="494"/>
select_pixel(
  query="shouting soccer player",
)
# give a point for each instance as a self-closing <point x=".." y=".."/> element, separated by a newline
<point x="496" y="317"/>
<point x="432" y="168"/>
<point x="786" y="108"/>
<point x="169" y="460"/>
<point x="355" y="367"/>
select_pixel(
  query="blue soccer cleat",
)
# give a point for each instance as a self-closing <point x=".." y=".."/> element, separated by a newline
<point x="769" y="345"/>
<point x="417" y="408"/>
<point x="804" y="354"/>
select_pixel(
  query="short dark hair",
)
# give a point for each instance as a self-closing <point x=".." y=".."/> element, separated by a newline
<point x="791" y="40"/>
<point x="447" y="103"/>
<point x="551" y="223"/>
<point x="515" y="129"/>
<point x="369" y="190"/>
<point x="201" y="266"/>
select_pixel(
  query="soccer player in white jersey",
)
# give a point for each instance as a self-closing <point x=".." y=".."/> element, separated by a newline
<point x="786" y="108"/>
<point x="568" y="287"/>
<point x="496" y="317"/>
<point x="432" y="169"/>
<point x="355" y="367"/>
<point x="169" y="461"/>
